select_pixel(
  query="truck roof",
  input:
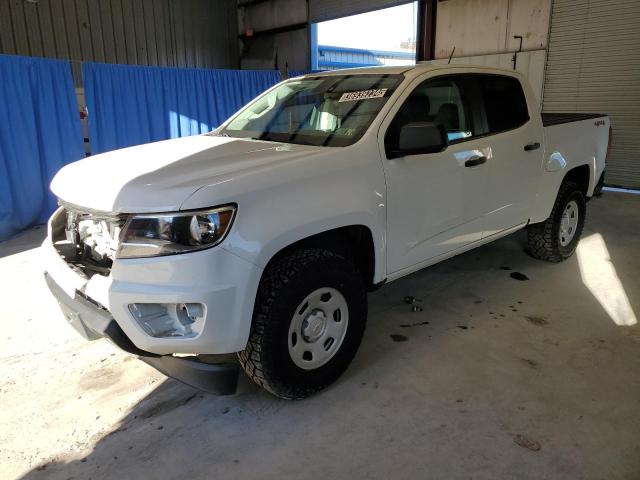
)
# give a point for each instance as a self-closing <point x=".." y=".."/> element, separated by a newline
<point x="417" y="69"/>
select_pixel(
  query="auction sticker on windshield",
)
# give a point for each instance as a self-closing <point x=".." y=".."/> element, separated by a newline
<point x="362" y="95"/>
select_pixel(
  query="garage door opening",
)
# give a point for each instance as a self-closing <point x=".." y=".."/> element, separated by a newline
<point x="381" y="37"/>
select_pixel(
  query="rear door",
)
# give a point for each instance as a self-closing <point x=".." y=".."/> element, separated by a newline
<point x="435" y="202"/>
<point x="513" y="132"/>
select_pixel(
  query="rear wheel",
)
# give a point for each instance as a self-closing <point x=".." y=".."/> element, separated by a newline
<point x="555" y="239"/>
<point x="308" y="322"/>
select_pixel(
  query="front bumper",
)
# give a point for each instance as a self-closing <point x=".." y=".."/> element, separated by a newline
<point x="223" y="283"/>
<point x="93" y="322"/>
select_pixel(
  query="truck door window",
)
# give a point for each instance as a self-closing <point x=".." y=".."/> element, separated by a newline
<point x="439" y="100"/>
<point x="504" y="102"/>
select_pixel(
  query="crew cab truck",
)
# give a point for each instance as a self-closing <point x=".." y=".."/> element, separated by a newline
<point x="260" y="240"/>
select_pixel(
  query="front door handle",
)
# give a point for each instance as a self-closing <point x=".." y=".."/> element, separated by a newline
<point x="475" y="161"/>
<point x="531" y="146"/>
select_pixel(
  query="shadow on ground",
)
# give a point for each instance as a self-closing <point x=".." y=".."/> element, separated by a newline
<point x="510" y="368"/>
<point x="23" y="241"/>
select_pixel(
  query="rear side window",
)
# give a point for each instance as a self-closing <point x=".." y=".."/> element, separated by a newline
<point x="505" y="103"/>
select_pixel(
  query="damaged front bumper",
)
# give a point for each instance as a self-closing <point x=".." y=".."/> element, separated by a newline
<point x="146" y="296"/>
<point x="113" y="304"/>
<point x="93" y="322"/>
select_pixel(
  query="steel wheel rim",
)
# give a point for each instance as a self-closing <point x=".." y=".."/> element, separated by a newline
<point x="318" y="328"/>
<point x="569" y="223"/>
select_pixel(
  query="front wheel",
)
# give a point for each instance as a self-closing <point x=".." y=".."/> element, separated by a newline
<point x="308" y="322"/>
<point x="555" y="239"/>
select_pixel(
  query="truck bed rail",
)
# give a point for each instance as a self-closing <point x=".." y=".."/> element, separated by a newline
<point x="549" y="119"/>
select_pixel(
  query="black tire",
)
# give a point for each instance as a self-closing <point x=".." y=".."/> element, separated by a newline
<point x="285" y="283"/>
<point x="544" y="238"/>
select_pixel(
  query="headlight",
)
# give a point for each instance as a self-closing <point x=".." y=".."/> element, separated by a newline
<point x="160" y="234"/>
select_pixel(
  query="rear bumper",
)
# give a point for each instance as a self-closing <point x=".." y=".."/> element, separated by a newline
<point x="94" y="322"/>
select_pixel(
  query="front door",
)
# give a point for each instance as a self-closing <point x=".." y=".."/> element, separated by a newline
<point x="436" y="202"/>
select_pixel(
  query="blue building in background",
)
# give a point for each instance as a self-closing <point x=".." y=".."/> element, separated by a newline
<point x="326" y="57"/>
<point x="333" y="58"/>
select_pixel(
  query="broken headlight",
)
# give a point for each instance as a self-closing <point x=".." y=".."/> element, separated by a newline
<point x="160" y="234"/>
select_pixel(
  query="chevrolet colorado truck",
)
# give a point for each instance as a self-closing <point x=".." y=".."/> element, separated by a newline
<point x="255" y="245"/>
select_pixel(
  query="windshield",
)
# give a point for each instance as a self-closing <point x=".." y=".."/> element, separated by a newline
<point x="330" y="111"/>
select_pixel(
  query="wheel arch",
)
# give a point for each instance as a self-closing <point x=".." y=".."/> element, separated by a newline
<point x="582" y="175"/>
<point x="355" y="242"/>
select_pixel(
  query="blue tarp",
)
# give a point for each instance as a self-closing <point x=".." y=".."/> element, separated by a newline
<point x="130" y="105"/>
<point x="39" y="133"/>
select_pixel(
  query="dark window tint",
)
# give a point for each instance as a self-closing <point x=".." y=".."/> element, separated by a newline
<point x="440" y="101"/>
<point x="505" y="103"/>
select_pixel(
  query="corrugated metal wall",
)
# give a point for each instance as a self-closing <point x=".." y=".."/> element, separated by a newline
<point x="594" y="66"/>
<point x="181" y="33"/>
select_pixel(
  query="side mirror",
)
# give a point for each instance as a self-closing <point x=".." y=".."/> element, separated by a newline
<point x="420" y="138"/>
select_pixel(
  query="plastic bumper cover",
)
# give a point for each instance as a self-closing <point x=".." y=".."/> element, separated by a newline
<point x="93" y="322"/>
<point x="222" y="282"/>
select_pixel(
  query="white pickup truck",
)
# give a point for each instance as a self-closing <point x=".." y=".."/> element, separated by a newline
<point x="262" y="238"/>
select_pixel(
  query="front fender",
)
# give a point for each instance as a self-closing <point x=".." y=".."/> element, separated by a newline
<point x="302" y="231"/>
<point x="276" y="208"/>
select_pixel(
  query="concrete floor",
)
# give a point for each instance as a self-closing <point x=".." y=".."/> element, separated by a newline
<point x="496" y="378"/>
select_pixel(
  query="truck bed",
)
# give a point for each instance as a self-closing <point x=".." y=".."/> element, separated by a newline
<point x="549" y="119"/>
<point x="571" y="140"/>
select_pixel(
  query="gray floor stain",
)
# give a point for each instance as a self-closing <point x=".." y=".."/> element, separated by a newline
<point x="398" y="338"/>
<point x="536" y="320"/>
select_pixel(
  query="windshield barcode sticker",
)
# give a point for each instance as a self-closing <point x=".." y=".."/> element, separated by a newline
<point x="362" y="95"/>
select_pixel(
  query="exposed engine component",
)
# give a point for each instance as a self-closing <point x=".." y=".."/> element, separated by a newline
<point x="87" y="240"/>
<point x="100" y="240"/>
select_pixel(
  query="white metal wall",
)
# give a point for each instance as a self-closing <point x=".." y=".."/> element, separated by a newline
<point x="288" y="48"/>
<point x="530" y="64"/>
<point x="481" y="27"/>
<point x="594" y="66"/>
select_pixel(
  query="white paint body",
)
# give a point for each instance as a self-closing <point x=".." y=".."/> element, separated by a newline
<point x="420" y="209"/>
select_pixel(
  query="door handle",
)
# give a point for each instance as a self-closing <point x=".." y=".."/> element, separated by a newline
<point x="531" y="146"/>
<point x="475" y="161"/>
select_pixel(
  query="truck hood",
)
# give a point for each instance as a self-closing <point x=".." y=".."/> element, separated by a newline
<point x="160" y="176"/>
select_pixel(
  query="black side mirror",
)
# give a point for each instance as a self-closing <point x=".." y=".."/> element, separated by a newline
<point x="420" y="138"/>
